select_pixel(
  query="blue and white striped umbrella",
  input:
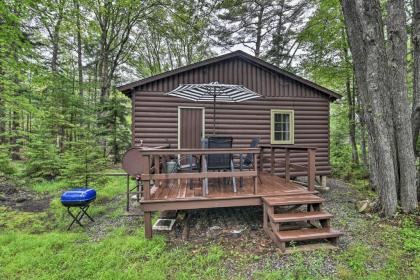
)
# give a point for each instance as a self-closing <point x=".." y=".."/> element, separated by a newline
<point x="214" y="92"/>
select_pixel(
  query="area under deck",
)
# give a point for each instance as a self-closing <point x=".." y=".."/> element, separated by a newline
<point x="178" y="196"/>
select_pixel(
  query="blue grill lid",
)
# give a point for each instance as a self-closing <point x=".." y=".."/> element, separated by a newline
<point x="78" y="195"/>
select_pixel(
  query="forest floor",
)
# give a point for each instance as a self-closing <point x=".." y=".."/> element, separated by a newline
<point x="222" y="243"/>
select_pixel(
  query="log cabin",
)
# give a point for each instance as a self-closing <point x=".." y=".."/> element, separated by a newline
<point x="290" y="119"/>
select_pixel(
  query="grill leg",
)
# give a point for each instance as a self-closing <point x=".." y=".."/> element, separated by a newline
<point x="84" y="210"/>
<point x="79" y="216"/>
<point x="75" y="218"/>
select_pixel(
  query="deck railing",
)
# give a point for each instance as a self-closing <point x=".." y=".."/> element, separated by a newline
<point x="310" y="167"/>
<point x="155" y="157"/>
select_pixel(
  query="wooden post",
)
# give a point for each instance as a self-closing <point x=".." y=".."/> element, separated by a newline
<point x="147" y="215"/>
<point x="204" y="169"/>
<point x="272" y="160"/>
<point x="265" y="217"/>
<point x="148" y="225"/>
<point x="261" y="159"/>
<point x="128" y="193"/>
<point x="157" y="169"/>
<point x="287" y="166"/>
<point x="323" y="180"/>
<point x="311" y="169"/>
<point x="146" y="183"/>
<point x="256" y="177"/>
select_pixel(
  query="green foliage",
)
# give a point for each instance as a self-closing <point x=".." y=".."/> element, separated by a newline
<point x="6" y="168"/>
<point x="43" y="158"/>
<point x="411" y="236"/>
<point x="114" y="123"/>
<point x="120" y="255"/>
<point x="82" y="162"/>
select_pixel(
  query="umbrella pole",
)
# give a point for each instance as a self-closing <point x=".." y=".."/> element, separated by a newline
<point x="214" y="114"/>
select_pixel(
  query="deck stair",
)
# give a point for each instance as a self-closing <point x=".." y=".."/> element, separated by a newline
<point x="284" y="226"/>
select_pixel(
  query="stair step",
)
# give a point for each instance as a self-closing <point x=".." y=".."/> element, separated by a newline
<point x="300" y="216"/>
<point x="307" y="234"/>
<point x="292" y="200"/>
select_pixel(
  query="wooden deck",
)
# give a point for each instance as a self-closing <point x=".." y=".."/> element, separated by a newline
<point x="201" y="189"/>
<point x="270" y="185"/>
<point x="174" y="196"/>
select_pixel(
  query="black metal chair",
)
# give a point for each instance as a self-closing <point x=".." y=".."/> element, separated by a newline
<point x="221" y="162"/>
<point x="247" y="162"/>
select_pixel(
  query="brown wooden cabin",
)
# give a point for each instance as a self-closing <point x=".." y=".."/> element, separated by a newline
<point x="303" y="150"/>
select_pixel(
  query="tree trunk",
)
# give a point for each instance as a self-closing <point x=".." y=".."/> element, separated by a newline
<point x="397" y="35"/>
<point x="79" y="47"/>
<point x="364" y="27"/>
<point x="363" y="140"/>
<point x="352" y="121"/>
<point x="259" y="32"/>
<point x="55" y="41"/>
<point x="415" y="117"/>
<point x="13" y="139"/>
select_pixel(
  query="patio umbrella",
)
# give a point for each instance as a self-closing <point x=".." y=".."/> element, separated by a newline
<point x="214" y="92"/>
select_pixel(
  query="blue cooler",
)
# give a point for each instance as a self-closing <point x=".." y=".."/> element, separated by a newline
<point x="78" y="197"/>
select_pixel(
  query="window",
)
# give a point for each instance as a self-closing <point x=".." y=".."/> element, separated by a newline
<point x="282" y="126"/>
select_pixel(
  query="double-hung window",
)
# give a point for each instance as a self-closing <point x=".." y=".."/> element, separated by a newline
<point x="282" y="126"/>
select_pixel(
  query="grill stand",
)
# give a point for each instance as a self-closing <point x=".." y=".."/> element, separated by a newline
<point x="79" y="215"/>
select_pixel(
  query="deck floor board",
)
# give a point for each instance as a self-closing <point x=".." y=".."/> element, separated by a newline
<point x="270" y="185"/>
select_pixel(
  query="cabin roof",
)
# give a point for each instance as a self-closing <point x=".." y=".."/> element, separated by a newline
<point x="127" y="89"/>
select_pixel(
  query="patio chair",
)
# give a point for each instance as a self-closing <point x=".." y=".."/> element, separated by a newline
<point x="247" y="162"/>
<point x="221" y="162"/>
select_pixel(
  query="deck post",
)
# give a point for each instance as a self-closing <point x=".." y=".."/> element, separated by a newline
<point x="323" y="180"/>
<point x="147" y="215"/>
<point x="148" y="225"/>
<point x="287" y="166"/>
<point x="272" y="160"/>
<point x="256" y="177"/>
<point x="146" y="184"/>
<point x="311" y="169"/>
<point x="128" y="193"/>
<point x="204" y="169"/>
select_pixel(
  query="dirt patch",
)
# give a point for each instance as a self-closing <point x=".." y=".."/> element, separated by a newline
<point x="22" y="199"/>
<point x="237" y="227"/>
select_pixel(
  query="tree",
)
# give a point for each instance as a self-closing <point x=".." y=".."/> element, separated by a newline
<point x="415" y="116"/>
<point x="397" y="37"/>
<point x="328" y="60"/>
<point x="375" y="67"/>
<point x="115" y="21"/>
<point x="268" y="28"/>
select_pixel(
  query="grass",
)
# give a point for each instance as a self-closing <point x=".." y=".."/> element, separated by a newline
<point x="119" y="256"/>
<point x="37" y="246"/>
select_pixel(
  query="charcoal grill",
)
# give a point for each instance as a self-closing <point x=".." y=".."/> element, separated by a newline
<point x="78" y="198"/>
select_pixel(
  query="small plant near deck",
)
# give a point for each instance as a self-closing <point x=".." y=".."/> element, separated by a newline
<point x="411" y="236"/>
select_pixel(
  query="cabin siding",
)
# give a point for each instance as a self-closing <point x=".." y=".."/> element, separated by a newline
<point x="155" y="115"/>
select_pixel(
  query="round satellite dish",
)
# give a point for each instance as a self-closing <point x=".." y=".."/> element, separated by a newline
<point x="134" y="163"/>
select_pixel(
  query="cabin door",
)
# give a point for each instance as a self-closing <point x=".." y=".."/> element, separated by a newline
<point x="190" y="127"/>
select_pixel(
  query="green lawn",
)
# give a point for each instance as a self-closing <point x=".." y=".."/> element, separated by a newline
<point x="37" y="246"/>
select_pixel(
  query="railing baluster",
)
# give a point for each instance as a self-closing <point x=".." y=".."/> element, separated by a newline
<point x="157" y="169"/>
<point x="204" y="169"/>
<point x="146" y="183"/>
<point x="256" y="170"/>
